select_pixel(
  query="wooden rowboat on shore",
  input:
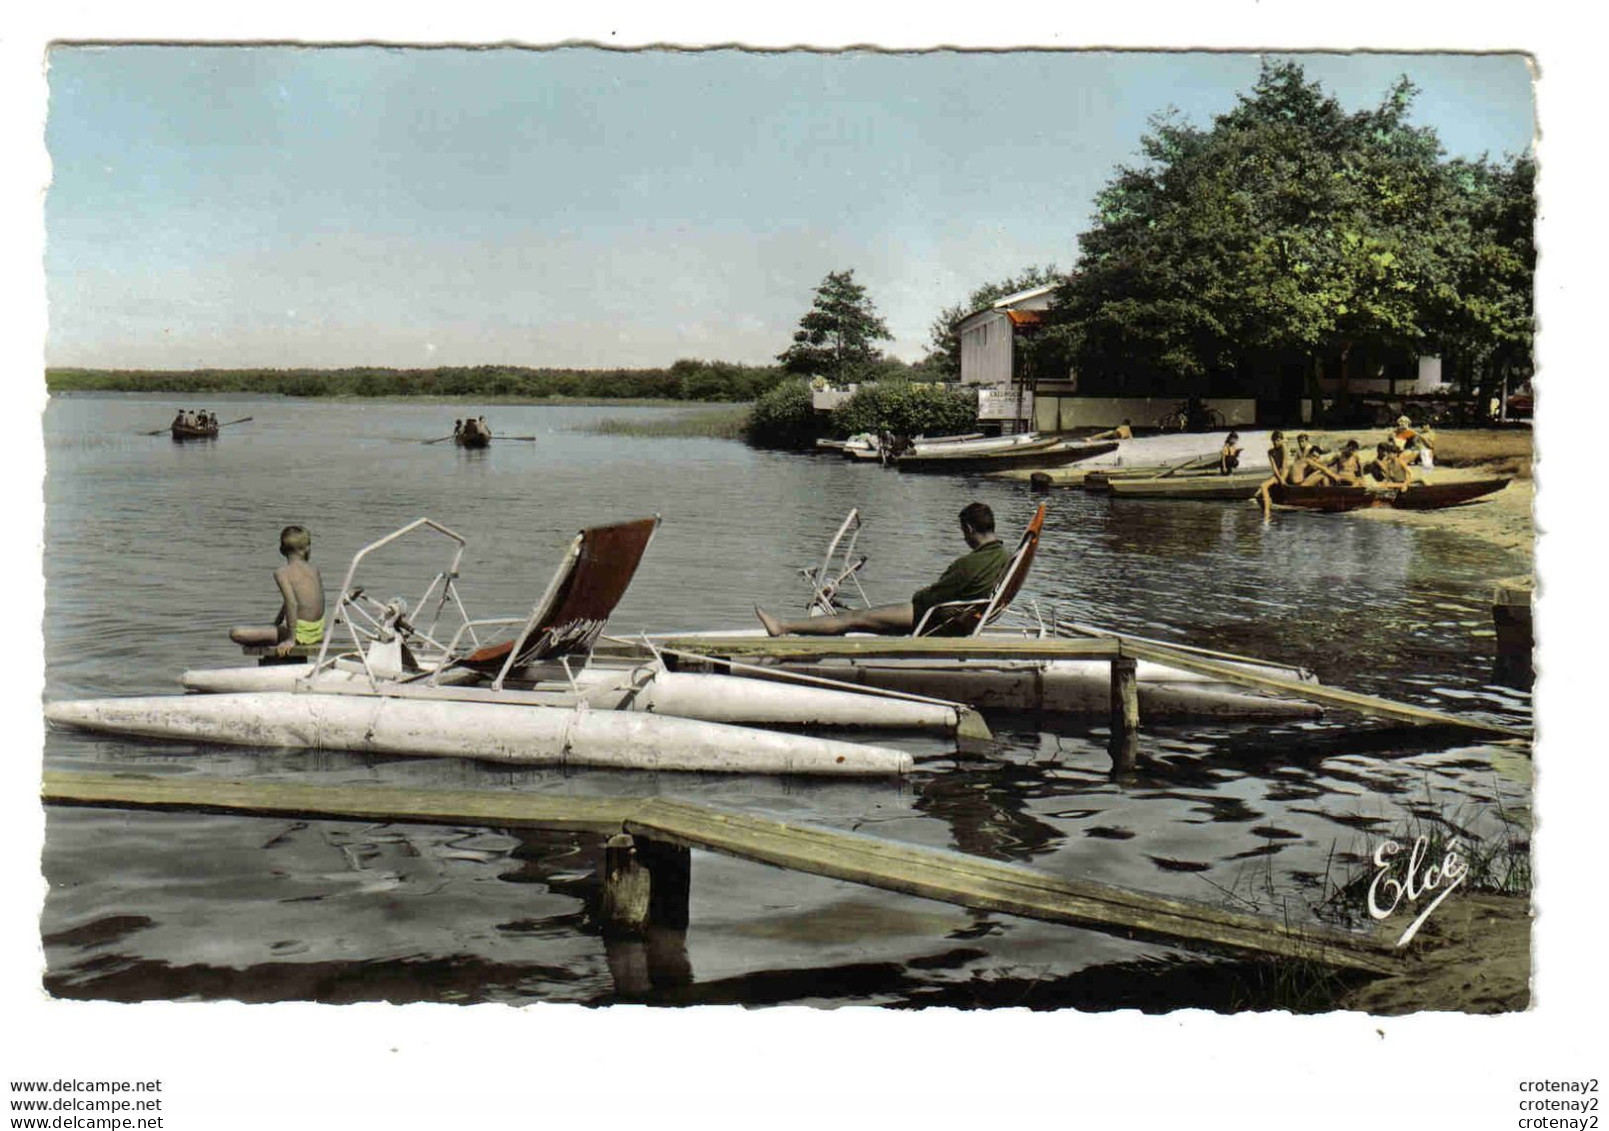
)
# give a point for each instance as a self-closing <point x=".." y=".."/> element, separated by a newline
<point x="1209" y="487"/>
<point x="1414" y="497"/>
<point x="1054" y="453"/>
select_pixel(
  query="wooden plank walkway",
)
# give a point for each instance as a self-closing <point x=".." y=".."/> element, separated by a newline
<point x="951" y="877"/>
<point x="973" y="881"/>
<point x="347" y="802"/>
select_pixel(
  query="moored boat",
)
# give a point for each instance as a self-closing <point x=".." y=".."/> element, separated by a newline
<point x="1071" y="687"/>
<point x="1334" y="498"/>
<point x="1049" y="684"/>
<point x="1206" y="487"/>
<point x="1051" y="453"/>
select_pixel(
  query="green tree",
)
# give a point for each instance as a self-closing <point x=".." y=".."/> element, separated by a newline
<point x="1486" y="311"/>
<point x="1290" y="228"/>
<point x="835" y="336"/>
<point x="944" y="344"/>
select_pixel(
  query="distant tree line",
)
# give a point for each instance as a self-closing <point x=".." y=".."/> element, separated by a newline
<point x="686" y="380"/>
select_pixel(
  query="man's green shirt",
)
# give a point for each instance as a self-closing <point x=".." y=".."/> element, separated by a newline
<point x="968" y="578"/>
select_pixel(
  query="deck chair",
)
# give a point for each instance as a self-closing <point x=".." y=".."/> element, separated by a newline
<point x="969" y="618"/>
<point x="594" y="575"/>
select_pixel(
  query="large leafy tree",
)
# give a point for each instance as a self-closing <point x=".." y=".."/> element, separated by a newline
<point x="1485" y="311"/>
<point x="1289" y="228"/>
<point x="944" y="344"/>
<point x="835" y="337"/>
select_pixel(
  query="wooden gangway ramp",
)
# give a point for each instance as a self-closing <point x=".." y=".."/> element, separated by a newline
<point x="1120" y="651"/>
<point x="1370" y="705"/>
<point x="654" y="823"/>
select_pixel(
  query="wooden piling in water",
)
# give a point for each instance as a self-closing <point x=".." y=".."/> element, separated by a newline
<point x="1125" y="697"/>
<point x="623" y="908"/>
<point x="674" y="827"/>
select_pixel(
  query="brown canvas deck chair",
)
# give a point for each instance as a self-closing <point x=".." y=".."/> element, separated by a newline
<point x="594" y="575"/>
<point x="969" y="618"/>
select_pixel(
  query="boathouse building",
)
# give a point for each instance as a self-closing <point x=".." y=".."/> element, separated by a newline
<point x="1279" y="391"/>
<point x="991" y="359"/>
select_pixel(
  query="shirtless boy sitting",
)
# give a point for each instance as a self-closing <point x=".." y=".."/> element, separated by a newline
<point x="1348" y="465"/>
<point x="1388" y="467"/>
<point x="301" y="615"/>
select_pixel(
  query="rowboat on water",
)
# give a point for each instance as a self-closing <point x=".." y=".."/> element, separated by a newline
<point x="181" y="433"/>
<point x="406" y="686"/>
<point x="1415" y="496"/>
<point x="1044" y="453"/>
<point x="472" y="439"/>
<point x="185" y="432"/>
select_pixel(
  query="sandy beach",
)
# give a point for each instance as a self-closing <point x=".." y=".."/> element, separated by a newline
<point x="1472" y="956"/>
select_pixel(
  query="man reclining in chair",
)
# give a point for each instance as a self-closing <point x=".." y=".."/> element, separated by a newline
<point x="968" y="578"/>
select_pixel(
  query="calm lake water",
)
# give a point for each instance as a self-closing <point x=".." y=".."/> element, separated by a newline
<point x="154" y="549"/>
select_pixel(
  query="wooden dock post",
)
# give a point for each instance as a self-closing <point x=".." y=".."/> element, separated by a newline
<point x="645" y="883"/>
<point x="1125" y="697"/>
<point x="624" y="901"/>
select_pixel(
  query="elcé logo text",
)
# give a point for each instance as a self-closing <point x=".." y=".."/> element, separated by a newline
<point x="1398" y="879"/>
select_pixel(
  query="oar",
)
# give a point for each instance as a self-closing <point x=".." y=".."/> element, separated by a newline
<point x="532" y="438"/>
<point x="438" y="439"/>
<point x="1191" y="462"/>
<point x="227" y="423"/>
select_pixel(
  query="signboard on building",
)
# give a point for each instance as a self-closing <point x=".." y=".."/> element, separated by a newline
<point x="1002" y="402"/>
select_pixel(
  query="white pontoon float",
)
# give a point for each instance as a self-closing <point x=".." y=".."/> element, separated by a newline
<point x="405" y="686"/>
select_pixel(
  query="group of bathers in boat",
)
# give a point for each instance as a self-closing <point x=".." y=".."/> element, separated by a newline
<point x="1309" y="465"/>
<point x="199" y="420"/>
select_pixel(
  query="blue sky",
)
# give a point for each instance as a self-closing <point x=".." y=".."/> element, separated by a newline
<point x="284" y="206"/>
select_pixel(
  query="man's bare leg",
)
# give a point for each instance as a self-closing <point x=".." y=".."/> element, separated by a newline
<point x="249" y="635"/>
<point x="884" y="620"/>
<point x="1262" y="497"/>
